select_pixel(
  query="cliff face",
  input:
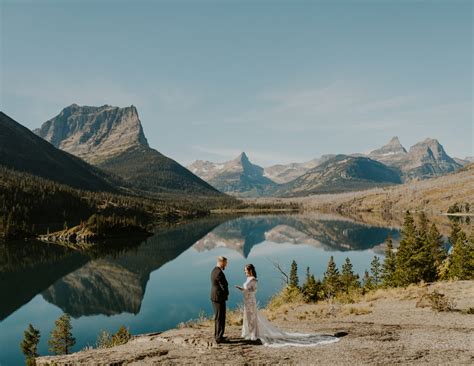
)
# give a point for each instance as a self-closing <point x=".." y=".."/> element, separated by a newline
<point x="424" y="160"/>
<point x="94" y="133"/>
<point x="112" y="139"/>
<point x="427" y="159"/>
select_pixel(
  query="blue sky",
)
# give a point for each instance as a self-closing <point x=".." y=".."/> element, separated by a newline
<point x="282" y="80"/>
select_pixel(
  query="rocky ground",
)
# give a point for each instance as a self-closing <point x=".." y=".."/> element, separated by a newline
<point x="396" y="326"/>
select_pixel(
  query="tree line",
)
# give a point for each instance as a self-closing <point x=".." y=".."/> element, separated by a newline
<point x="421" y="256"/>
<point x="29" y="205"/>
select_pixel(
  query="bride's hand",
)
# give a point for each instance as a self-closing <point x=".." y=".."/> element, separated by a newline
<point x="240" y="288"/>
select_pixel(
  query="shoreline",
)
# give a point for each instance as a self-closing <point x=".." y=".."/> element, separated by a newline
<point x="384" y="326"/>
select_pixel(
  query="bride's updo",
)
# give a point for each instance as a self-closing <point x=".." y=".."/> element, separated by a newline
<point x="251" y="269"/>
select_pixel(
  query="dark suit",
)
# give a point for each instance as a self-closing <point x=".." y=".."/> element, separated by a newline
<point x="219" y="295"/>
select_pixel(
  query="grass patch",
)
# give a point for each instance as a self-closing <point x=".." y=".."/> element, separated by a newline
<point x="355" y="310"/>
<point x="288" y="295"/>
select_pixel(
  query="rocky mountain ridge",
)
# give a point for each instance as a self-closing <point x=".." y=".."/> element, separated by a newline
<point x="113" y="139"/>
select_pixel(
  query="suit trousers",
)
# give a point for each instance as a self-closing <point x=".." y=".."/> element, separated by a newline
<point x="219" y="319"/>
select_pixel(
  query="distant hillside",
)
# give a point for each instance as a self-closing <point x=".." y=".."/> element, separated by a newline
<point x="284" y="173"/>
<point x="340" y="174"/>
<point x="434" y="195"/>
<point x="112" y="138"/>
<point x="22" y="150"/>
<point x="151" y="172"/>
<point x="30" y="205"/>
<point x="238" y="177"/>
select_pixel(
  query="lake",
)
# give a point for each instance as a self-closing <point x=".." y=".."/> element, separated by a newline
<point x="154" y="285"/>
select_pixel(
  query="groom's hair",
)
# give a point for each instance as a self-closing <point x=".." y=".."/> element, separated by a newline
<point x="221" y="259"/>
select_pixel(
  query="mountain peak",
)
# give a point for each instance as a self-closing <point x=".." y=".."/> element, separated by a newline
<point x="94" y="133"/>
<point x="242" y="157"/>
<point x="428" y="143"/>
<point x="394" y="141"/>
<point x="393" y="149"/>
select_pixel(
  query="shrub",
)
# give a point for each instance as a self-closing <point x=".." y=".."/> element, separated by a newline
<point x="289" y="294"/>
<point x="107" y="340"/>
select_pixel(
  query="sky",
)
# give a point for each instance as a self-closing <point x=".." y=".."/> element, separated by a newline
<point x="284" y="81"/>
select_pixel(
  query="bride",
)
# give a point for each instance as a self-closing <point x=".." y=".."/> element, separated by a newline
<point x="256" y="326"/>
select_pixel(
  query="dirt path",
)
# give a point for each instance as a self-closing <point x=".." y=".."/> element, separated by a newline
<point x="390" y="329"/>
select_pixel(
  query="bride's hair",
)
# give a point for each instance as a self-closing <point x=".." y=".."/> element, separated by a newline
<point x="251" y="269"/>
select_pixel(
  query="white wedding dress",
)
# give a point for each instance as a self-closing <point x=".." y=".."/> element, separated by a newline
<point x="256" y="326"/>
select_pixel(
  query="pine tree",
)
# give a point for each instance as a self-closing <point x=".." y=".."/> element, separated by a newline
<point x="423" y="225"/>
<point x="294" y="281"/>
<point x="415" y="261"/>
<point x="461" y="263"/>
<point x="436" y="242"/>
<point x="376" y="271"/>
<point x="331" y="281"/>
<point x="61" y="339"/>
<point x="29" y="345"/>
<point x="367" y="281"/>
<point x="389" y="265"/>
<point x="349" y="280"/>
<point x="311" y="287"/>
<point x="406" y="251"/>
<point x="455" y="231"/>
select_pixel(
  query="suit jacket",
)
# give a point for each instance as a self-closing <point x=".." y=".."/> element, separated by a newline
<point x="219" y="286"/>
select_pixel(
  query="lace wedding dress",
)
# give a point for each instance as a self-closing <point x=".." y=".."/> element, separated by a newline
<point x="256" y="326"/>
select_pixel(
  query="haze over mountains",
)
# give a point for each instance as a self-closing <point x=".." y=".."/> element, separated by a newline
<point x="390" y="164"/>
<point x="113" y="139"/>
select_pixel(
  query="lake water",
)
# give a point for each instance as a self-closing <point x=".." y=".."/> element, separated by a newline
<point x="156" y="284"/>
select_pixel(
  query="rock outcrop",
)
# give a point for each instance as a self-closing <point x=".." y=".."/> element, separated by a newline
<point x="94" y="134"/>
<point x="238" y="177"/>
<point x="112" y="138"/>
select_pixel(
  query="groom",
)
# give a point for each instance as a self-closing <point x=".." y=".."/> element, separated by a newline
<point x="219" y="295"/>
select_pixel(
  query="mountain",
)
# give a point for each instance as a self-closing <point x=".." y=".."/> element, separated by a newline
<point x="435" y="195"/>
<point x="424" y="160"/>
<point x="112" y="139"/>
<point x="284" y="173"/>
<point x="238" y="177"/>
<point x="22" y="150"/>
<point x="94" y="133"/>
<point x="340" y="174"/>
<point x="389" y="153"/>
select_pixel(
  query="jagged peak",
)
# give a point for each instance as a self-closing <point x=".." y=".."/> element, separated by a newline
<point x="392" y="147"/>
<point x="242" y="156"/>
<point x="428" y="142"/>
<point x="394" y="141"/>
